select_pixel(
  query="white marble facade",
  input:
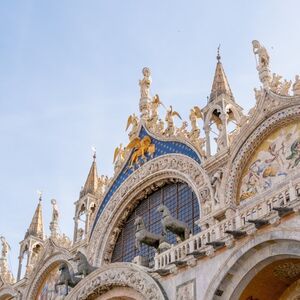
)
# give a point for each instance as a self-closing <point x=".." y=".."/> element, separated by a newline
<point x="247" y="183"/>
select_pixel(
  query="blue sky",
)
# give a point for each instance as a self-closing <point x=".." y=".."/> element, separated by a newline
<point x="69" y="74"/>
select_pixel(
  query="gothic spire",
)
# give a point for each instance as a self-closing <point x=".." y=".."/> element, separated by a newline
<point x="36" y="227"/>
<point x="220" y="84"/>
<point x="91" y="183"/>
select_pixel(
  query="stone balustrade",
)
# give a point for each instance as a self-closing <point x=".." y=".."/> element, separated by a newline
<point x="259" y="208"/>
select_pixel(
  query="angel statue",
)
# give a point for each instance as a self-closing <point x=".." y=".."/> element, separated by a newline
<point x="154" y="104"/>
<point x="182" y="131"/>
<point x="195" y="114"/>
<point x="5" y="247"/>
<point x="285" y="88"/>
<point x="296" y="86"/>
<point x="145" y="83"/>
<point x="263" y="56"/>
<point x="119" y="156"/>
<point x="134" y="122"/>
<point x="275" y="82"/>
<point x="170" y="122"/>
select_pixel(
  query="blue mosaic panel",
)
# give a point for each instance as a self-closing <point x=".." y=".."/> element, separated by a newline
<point x="161" y="148"/>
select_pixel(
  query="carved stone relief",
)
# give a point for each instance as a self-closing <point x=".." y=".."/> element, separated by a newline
<point x="117" y="275"/>
<point x="186" y="291"/>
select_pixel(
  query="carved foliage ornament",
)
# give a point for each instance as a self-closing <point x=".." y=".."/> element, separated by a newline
<point x="117" y="275"/>
<point x="287" y="271"/>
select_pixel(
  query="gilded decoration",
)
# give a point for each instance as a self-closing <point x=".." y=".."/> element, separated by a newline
<point x="154" y="149"/>
<point x="120" y="205"/>
<point x="274" y="159"/>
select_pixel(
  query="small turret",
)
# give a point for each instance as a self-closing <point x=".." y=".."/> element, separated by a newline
<point x="91" y="183"/>
<point x="33" y="241"/>
<point x="36" y="227"/>
<point x="89" y="197"/>
<point x="220" y="109"/>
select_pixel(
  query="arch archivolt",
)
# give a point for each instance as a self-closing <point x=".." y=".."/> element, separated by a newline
<point x="252" y="140"/>
<point x="244" y="263"/>
<point x="175" y="166"/>
<point x="209" y="114"/>
<point x="129" y="276"/>
<point x="7" y="292"/>
<point x="43" y="267"/>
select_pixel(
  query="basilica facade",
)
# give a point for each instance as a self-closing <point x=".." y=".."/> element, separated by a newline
<point x="208" y="209"/>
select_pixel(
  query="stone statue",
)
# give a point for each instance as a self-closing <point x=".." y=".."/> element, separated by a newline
<point x="195" y="114"/>
<point x="66" y="278"/>
<point x="170" y="130"/>
<point x="205" y="201"/>
<point x="263" y="56"/>
<point x="220" y="140"/>
<point x="153" y="119"/>
<point x="143" y="236"/>
<point x="182" y="131"/>
<point x="54" y="220"/>
<point x="134" y="122"/>
<point x="83" y="266"/>
<point x="197" y="141"/>
<point x="285" y="88"/>
<point x="215" y="184"/>
<point x="55" y="212"/>
<point x="168" y="222"/>
<point x="5" y="247"/>
<point x="80" y="233"/>
<point x="262" y="63"/>
<point x="258" y="94"/>
<point x="275" y="83"/>
<point x="145" y="83"/>
<point x="160" y="126"/>
<point x="119" y="156"/>
<point x="5" y="273"/>
<point x="296" y="86"/>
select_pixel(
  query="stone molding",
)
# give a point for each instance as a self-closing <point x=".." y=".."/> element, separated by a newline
<point x="124" y="200"/>
<point x="250" y="143"/>
<point x="55" y="257"/>
<point x="8" y="291"/>
<point x="259" y="251"/>
<point x="117" y="275"/>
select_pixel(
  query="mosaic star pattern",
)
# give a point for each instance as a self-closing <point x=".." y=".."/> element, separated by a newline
<point x="161" y="148"/>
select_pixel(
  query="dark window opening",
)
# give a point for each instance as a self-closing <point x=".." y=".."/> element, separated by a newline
<point x="183" y="205"/>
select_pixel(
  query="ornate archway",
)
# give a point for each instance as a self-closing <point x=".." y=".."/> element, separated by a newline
<point x="264" y="253"/>
<point x="8" y="293"/>
<point x="54" y="256"/>
<point x="109" y="281"/>
<point x="106" y="231"/>
<point x="252" y="137"/>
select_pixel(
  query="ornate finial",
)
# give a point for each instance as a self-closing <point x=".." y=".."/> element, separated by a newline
<point x="40" y="194"/>
<point x="218" y="53"/>
<point x="94" y="152"/>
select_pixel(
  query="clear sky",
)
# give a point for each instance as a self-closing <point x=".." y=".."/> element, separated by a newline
<point x="69" y="74"/>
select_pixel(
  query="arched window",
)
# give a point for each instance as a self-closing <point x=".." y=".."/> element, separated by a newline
<point x="183" y="205"/>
